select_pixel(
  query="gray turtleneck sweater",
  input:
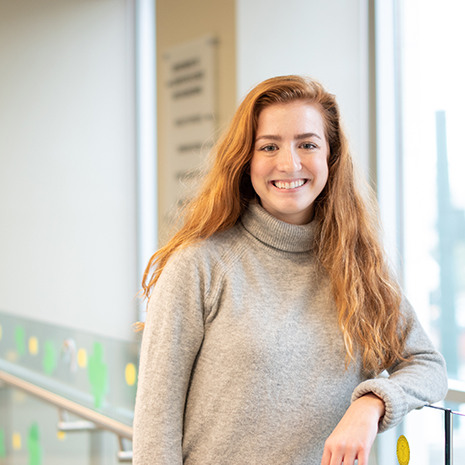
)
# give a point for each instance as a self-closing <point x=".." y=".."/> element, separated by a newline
<point x="242" y="359"/>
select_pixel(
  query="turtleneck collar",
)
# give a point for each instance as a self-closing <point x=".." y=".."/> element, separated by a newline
<point x="276" y="233"/>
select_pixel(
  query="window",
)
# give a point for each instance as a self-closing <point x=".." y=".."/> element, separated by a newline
<point x="421" y="159"/>
<point x="433" y="99"/>
<point x="426" y="101"/>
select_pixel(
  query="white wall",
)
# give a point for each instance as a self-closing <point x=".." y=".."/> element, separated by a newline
<point x="67" y="163"/>
<point x="325" y="39"/>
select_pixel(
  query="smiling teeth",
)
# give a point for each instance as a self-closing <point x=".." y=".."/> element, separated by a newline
<point x="289" y="185"/>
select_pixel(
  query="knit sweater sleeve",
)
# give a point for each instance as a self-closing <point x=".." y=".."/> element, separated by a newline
<point x="410" y="384"/>
<point x="172" y="337"/>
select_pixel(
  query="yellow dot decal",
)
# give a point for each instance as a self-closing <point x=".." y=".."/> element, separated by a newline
<point x="82" y="358"/>
<point x="61" y="435"/>
<point x="33" y="346"/>
<point x="403" y="451"/>
<point x="130" y="374"/>
<point x="16" y="441"/>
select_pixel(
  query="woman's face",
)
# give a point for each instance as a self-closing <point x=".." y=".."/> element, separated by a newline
<point x="289" y="166"/>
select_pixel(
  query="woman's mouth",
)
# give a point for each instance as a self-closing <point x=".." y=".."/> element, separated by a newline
<point x="289" y="184"/>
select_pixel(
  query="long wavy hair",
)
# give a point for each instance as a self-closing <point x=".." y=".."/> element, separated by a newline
<point x="347" y="244"/>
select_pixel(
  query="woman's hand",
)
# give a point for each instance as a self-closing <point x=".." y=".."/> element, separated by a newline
<point x="355" y="433"/>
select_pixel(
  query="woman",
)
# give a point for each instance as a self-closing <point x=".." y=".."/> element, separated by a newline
<point x="272" y="311"/>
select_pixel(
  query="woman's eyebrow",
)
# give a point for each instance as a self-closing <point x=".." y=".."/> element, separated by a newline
<point x="268" y="137"/>
<point x="306" y="135"/>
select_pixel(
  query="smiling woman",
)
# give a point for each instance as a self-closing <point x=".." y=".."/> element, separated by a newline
<point x="272" y="311"/>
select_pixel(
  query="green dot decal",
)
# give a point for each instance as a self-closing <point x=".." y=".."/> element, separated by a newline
<point x="33" y="445"/>
<point x="98" y="375"/>
<point x="50" y="357"/>
<point x="20" y="340"/>
<point x="2" y="444"/>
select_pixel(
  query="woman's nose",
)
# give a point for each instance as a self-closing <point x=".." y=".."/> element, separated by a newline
<point x="289" y="160"/>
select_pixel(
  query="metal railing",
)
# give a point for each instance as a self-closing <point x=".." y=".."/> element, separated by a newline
<point x="90" y="419"/>
<point x="448" y="431"/>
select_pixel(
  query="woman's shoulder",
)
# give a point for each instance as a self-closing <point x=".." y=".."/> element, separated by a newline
<point x="220" y="249"/>
<point x="203" y="265"/>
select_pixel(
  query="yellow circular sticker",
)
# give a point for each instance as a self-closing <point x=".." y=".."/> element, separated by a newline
<point x="33" y="345"/>
<point x="82" y="358"/>
<point x="16" y="441"/>
<point x="130" y="374"/>
<point x="403" y="450"/>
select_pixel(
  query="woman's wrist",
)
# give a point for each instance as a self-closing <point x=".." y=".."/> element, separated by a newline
<point x="375" y="403"/>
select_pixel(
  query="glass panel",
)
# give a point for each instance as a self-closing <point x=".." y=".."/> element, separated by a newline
<point x="28" y="435"/>
<point x="91" y="370"/>
<point x="458" y="434"/>
<point x="433" y="98"/>
<point x="420" y="440"/>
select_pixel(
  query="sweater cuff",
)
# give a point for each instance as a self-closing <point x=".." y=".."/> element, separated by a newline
<point x="392" y="395"/>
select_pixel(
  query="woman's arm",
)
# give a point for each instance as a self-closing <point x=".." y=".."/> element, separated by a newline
<point x="172" y="337"/>
<point x="411" y="384"/>
<point x="380" y="403"/>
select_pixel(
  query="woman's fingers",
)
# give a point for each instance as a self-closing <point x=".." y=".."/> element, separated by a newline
<point x="343" y="453"/>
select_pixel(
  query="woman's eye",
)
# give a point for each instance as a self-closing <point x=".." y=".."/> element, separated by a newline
<point x="308" y="145"/>
<point x="269" y="148"/>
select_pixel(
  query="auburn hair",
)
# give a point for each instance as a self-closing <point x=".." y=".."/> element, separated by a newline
<point x="366" y="295"/>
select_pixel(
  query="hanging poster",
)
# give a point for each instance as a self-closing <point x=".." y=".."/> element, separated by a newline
<point x="187" y="120"/>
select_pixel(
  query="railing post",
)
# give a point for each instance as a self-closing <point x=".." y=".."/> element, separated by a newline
<point x="448" y="436"/>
